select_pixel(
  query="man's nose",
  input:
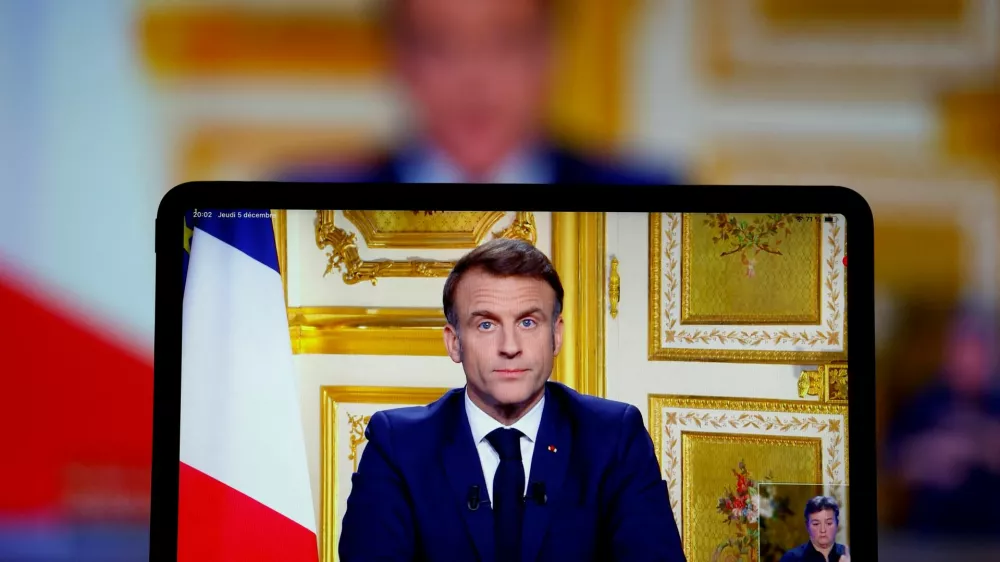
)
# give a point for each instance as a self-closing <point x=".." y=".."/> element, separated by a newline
<point x="510" y="342"/>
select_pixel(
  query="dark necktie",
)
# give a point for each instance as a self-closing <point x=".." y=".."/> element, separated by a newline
<point x="508" y="494"/>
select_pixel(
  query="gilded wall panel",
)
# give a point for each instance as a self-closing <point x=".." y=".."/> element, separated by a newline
<point x="345" y="413"/>
<point x="715" y="451"/>
<point x="748" y="288"/>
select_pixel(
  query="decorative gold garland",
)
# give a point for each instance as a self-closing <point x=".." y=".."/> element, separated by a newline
<point x="359" y="423"/>
<point x="781" y="423"/>
<point x="674" y="334"/>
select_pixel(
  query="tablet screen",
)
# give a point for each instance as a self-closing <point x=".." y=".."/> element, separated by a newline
<point x="342" y="371"/>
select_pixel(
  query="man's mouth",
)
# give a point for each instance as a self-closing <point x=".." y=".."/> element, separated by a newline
<point x="510" y="372"/>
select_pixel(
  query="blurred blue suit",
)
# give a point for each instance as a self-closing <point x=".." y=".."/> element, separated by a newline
<point x="605" y="498"/>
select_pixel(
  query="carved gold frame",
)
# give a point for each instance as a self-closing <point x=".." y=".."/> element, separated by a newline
<point x="375" y="239"/>
<point x="331" y="398"/>
<point x="828" y="382"/>
<point x="687" y="318"/>
<point x="739" y="413"/>
<point x="343" y="255"/>
<point x="578" y="254"/>
<point x="656" y="291"/>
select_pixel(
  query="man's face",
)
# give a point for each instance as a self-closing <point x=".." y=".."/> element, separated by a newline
<point x="969" y="364"/>
<point x="822" y="528"/>
<point x="476" y="70"/>
<point x="506" y="339"/>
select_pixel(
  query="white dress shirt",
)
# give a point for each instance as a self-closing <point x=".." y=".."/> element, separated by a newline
<point x="424" y="163"/>
<point x="482" y="424"/>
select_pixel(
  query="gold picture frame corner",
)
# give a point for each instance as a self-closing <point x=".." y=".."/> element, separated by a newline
<point x="331" y="398"/>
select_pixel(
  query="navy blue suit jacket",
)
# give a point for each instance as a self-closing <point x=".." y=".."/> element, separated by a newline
<point x="606" y="500"/>
<point x="568" y="168"/>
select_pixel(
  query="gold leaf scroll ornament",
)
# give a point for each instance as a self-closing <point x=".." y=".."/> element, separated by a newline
<point x="523" y="228"/>
<point x="345" y="257"/>
<point x="828" y="382"/>
<point x="359" y="423"/>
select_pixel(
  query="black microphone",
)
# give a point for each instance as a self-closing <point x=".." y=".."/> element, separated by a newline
<point x="536" y="492"/>
<point x="473" y="498"/>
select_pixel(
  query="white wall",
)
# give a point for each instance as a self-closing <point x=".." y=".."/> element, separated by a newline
<point x="631" y="377"/>
<point x="316" y="371"/>
<point x="82" y="169"/>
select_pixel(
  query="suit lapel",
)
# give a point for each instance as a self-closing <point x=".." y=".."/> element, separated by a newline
<point x="464" y="470"/>
<point x="548" y="466"/>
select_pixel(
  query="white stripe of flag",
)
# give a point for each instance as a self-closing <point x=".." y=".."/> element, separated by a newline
<point x="240" y="417"/>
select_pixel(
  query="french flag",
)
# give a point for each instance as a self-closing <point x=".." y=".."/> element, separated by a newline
<point x="244" y="491"/>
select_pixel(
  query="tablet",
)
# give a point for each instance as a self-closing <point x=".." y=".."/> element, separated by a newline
<point x="330" y="360"/>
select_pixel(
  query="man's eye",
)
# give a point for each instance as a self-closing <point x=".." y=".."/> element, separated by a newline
<point x="485" y="325"/>
<point x="527" y="322"/>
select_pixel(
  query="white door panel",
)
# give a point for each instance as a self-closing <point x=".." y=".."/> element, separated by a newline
<point x="631" y="376"/>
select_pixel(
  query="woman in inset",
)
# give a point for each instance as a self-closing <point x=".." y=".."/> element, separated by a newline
<point x="822" y="519"/>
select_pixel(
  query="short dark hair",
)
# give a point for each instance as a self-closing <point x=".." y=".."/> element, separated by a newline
<point x="503" y="257"/>
<point x="823" y="503"/>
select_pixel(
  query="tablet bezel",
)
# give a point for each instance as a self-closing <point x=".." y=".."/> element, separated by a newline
<point x="488" y="197"/>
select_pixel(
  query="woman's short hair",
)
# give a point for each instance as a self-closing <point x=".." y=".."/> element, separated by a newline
<point x="820" y="504"/>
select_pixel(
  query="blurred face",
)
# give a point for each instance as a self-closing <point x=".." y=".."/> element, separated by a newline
<point x="506" y="340"/>
<point x="822" y="528"/>
<point x="476" y="70"/>
<point x="969" y="364"/>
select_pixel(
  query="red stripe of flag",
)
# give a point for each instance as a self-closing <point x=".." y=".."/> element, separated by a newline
<point x="76" y="404"/>
<point x="217" y="522"/>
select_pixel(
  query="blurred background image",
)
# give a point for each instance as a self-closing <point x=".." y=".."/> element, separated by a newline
<point x="106" y="104"/>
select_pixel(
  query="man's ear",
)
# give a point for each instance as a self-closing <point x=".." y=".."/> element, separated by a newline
<point x="453" y="343"/>
<point x="557" y="335"/>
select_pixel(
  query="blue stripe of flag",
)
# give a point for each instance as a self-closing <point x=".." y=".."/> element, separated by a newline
<point x="248" y="230"/>
<point x="188" y="224"/>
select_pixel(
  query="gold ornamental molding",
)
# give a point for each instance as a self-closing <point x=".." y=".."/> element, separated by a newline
<point x="523" y="228"/>
<point x="735" y="240"/>
<point x="614" y="287"/>
<point x="354" y="406"/>
<point x="578" y="254"/>
<point x="423" y="229"/>
<point x="279" y="220"/>
<point x="343" y="254"/>
<point x="828" y="382"/>
<point x="697" y="438"/>
<point x="672" y="339"/>
<point x="344" y="330"/>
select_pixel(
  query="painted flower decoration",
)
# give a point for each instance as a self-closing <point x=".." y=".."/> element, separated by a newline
<point x="740" y="507"/>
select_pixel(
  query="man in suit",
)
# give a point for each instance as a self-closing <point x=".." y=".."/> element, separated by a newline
<point x="512" y="468"/>
<point x="477" y="76"/>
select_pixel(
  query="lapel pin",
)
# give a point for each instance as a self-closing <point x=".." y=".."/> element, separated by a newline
<point x="552" y="448"/>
